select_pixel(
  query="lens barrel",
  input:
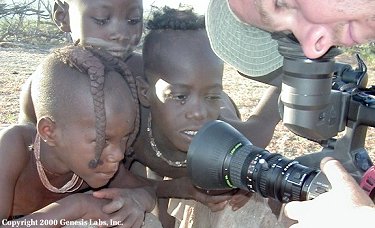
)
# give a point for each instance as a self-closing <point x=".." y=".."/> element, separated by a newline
<point x="220" y="157"/>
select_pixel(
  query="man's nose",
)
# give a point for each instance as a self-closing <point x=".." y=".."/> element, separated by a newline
<point x="315" y="39"/>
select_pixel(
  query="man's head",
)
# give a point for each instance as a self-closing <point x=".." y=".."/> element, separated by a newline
<point x="114" y="25"/>
<point x="86" y="107"/>
<point x="317" y="24"/>
<point x="184" y="76"/>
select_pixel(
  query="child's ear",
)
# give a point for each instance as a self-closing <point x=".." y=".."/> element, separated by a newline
<point x="47" y="130"/>
<point x="143" y="91"/>
<point x="61" y="16"/>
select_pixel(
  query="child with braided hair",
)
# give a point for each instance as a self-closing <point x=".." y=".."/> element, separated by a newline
<point x="87" y="113"/>
<point x="112" y="25"/>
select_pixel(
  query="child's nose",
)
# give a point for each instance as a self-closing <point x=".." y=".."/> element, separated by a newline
<point x="120" y="31"/>
<point x="114" y="154"/>
<point x="197" y="110"/>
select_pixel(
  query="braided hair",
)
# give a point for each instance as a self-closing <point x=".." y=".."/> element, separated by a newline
<point x="96" y="63"/>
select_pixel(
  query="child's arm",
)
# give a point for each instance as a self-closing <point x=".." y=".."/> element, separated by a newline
<point x="259" y="128"/>
<point x="12" y="161"/>
<point x="184" y="189"/>
<point x="71" y="208"/>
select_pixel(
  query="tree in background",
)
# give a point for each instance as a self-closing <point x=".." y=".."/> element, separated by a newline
<point x="28" y="22"/>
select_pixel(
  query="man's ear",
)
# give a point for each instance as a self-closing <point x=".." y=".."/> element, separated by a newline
<point x="47" y="130"/>
<point x="143" y="91"/>
<point x="61" y="15"/>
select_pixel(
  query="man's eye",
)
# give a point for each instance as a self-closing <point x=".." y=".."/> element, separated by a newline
<point x="281" y="4"/>
<point x="100" y="21"/>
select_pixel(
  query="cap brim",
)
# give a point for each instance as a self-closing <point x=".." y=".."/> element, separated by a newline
<point x="250" y="50"/>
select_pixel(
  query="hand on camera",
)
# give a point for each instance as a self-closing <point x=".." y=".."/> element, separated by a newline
<point x="345" y="205"/>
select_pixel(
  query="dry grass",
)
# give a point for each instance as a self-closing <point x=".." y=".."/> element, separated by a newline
<point x="17" y="64"/>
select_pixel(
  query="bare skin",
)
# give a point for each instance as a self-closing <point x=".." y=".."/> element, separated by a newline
<point x="339" y="22"/>
<point x="67" y="147"/>
<point x="346" y="198"/>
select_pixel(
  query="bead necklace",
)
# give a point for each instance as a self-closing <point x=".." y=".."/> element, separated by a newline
<point x="68" y="187"/>
<point x="178" y="164"/>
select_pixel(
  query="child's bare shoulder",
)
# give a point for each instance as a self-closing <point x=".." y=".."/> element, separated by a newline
<point x="135" y="63"/>
<point x="14" y="145"/>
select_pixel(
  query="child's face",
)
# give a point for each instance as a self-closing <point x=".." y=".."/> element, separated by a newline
<point x="186" y="87"/>
<point x="77" y="134"/>
<point x="115" y="25"/>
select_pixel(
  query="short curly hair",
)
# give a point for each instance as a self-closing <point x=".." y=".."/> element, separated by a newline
<point x="175" y="19"/>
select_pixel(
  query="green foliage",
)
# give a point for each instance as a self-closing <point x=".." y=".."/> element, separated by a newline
<point x="366" y="51"/>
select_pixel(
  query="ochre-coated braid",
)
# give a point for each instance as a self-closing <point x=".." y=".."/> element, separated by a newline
<point x="86" y="62"/>
<point x="121" y="67"/>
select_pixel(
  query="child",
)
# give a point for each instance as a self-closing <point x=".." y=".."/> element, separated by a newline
<point x="87" y="113"/>
<point x="182" y="91"/>
<point x="113" y="25"/>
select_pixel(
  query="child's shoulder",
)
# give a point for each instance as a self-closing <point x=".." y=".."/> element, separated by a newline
<point x="135" y="63"/>
<point x="15" y="141"/>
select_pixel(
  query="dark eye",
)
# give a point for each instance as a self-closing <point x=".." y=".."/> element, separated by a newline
<point x="213" y="97"/>
<point x="134" y="21"/>
<point x="101" y="21"/>
<point x="107" y="142"/>
<point x="180" y="97"/>
<point x="280" y="4"/>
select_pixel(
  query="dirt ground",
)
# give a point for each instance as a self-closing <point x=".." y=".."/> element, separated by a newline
<point x="18" y="62"/>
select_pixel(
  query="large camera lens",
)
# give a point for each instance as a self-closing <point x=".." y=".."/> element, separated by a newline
<point x="220" y="157"/>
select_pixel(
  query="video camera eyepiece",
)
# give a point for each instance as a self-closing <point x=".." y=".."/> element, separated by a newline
<point x="220" y="157"/>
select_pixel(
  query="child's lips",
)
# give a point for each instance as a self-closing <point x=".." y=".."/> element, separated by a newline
<point x="116" y="49"/>
<point x="189" y="134"/>
<point x="117" y="52"/>
<point x="108" y="175"/>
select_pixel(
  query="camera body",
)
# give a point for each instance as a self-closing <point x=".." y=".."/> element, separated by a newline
<point x="320" y="98"/>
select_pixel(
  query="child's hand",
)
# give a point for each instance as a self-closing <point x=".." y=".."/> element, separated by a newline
<point x="89" y="207"/>
<point x="239" y="199"/>
<point x="215" y="200"/>
<point x="126" y="207"/>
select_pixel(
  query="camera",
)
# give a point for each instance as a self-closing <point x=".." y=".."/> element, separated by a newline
<point x="319" y="99"/>
<point x="220" y="157"/>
